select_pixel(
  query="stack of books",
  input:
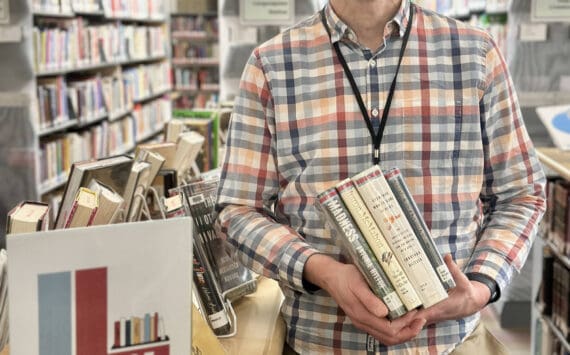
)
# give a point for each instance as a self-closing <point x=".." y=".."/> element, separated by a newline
<point x="379" y="226"/>
<point x="160" y="180"/>
<point x="219" y="278"/>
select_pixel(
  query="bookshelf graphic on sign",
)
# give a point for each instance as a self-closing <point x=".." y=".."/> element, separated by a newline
<point x="73" y="310"/>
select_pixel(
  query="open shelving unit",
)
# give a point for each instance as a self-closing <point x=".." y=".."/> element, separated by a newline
<point x="195" y="57"/>
<point x="96" y="81"/>
<point x="557" y="163"/>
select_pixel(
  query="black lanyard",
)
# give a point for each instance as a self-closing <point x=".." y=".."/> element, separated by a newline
<point x="376" y="138"/>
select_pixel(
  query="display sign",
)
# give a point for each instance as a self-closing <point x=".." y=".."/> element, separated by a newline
<point x="267" y="12"/>
<point x="550" y="10"/>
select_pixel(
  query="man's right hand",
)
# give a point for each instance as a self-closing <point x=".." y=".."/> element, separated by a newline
<point x="347" y="287"/>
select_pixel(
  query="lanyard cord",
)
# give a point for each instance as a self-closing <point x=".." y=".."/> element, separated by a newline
<point x="376" y="139"/>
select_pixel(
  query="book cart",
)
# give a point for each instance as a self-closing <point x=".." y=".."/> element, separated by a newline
<point x="256" y="324"/>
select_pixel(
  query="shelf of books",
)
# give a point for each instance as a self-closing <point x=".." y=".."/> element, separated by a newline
<point x="101" y="81"/>
<point x="551" y="329"/>
<point x="195" y="59"/>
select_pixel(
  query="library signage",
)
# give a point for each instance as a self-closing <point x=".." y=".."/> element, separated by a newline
<point x="267" y="12"/>
<point x="550" y="10"/>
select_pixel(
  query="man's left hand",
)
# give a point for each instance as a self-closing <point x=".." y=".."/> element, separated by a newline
<point x="465" y="299"/>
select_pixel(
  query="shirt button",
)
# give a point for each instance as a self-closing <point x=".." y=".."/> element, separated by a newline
<point x="375" y="112"/>
<point x="372" y="63"/>
<point x="351" y="37"/>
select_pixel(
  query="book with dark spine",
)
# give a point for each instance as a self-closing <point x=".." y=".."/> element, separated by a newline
<point x="378" y="244"/>
<point x="352" y="241"/>
<point x="398" y="185"/>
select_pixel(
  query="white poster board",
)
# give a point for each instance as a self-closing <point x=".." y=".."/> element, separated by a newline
<point x="550" y="11"/>
<point x="556" y="119"/>
<point x="267" y="12"/>
<point x="112" y="289"/>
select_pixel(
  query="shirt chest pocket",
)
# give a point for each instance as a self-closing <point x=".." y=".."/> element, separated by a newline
<point x="440" y="132"/>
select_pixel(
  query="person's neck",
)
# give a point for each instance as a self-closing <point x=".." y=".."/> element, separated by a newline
<point x="367" y="18"/>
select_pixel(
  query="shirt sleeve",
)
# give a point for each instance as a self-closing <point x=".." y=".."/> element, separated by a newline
<point x="512" y="195"/>
<point x="250" y="186"/>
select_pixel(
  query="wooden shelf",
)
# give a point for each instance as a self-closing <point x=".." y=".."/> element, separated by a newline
<point x="556" y="160"/>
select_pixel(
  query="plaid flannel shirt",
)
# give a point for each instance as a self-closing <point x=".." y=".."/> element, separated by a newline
<point x="454" y="129"/>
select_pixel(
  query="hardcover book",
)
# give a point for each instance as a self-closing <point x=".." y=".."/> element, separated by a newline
<point x="85" y="283"/>
<point x="388" y="215"/>
<point x="404" y="197"/>
<point x="113" y="172"/>
<point x="351" y="241"/>
<point x="83" y="209"/>
<point x="187" y="148"/>
<point x="109" y="203"/>
<point x="27" y="216"/>
<point x="378" y="244"/>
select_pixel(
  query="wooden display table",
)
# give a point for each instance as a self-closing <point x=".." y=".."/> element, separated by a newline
<point x="261" y="330"/>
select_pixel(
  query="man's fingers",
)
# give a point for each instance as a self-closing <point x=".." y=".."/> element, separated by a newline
<point x="458" y="275"/>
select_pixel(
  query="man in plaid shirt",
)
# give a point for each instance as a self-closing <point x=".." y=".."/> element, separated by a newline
<point x="451" y="123"/>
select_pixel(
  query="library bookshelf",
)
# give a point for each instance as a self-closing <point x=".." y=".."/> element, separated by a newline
<point x="549" y="326"/>
<point x="95" y="78"/>
<point x="195" y="59"/>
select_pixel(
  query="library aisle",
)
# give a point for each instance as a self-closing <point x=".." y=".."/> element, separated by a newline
<point x="517" y="340"/>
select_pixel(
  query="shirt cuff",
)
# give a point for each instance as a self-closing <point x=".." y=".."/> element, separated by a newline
<point x="487" y="281"/>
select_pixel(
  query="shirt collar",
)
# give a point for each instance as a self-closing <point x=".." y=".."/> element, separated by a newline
<point x="339" y="29"/>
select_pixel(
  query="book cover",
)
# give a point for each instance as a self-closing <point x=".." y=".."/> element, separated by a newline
<point x="350" y="240"/>
<point x="404" y="198"/>
<point x="27" y="217"/>
<point x="234" y="279"/>
<point x="166" y="149"/>
<point x="388" y="215"/>
<point x="378" y="244"/>
<point x="206" y="291"/>
<point x="135" y="188"/>
<point x="113" y="172"/>
<point x="187" y="148"/>
<point x="84" y="280"/>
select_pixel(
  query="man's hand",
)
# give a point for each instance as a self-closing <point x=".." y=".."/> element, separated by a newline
<point x="366" y="311"/>
<point x="465" y="299"/>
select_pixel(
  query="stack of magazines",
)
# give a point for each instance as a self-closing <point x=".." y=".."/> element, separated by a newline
<point x="219" y="278"/>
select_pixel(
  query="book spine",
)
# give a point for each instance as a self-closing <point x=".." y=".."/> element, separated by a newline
<point x="208" y="292"/>
<point x="69" y="219"/>
<point x="404" y="197"/>
<point x="388" y="215"/>
<point x="378" y="244"/>
<point x="117" y="334"/>
<point x="352" y="240"/>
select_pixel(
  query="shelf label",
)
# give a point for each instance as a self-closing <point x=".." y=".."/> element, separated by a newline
<point x="10" y="34"/>
<point x="533" y="32"/>
<point x="267" y="12"/>
<point x="4" y="12"/>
